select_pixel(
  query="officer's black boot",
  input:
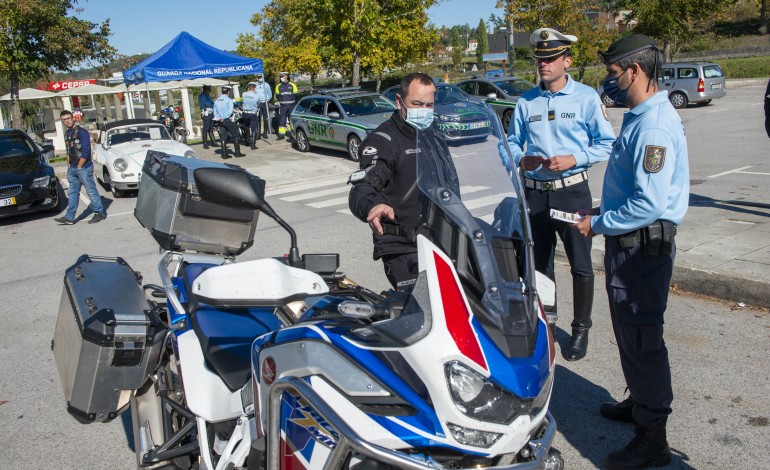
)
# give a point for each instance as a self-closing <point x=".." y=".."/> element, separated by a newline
<point x="224" y="147"/>
<point x="583" y="299"/>
<point x="622" y="412"/>
<point x="237" y="146"/>
<point x="253" y="142"/>
<point x="648" y="448"/>
<point x="205" y="141"/>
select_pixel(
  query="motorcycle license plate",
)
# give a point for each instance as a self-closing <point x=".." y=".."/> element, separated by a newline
<point x="7" y="201"/>
<point x="716" y="85"/>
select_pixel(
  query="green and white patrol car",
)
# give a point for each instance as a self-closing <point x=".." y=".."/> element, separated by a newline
<point x="501" y="93"/>
<point x="338" y="118"/>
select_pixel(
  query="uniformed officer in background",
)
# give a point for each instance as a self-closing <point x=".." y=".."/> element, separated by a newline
<point x="223" y="112"/>
<point x="264" y="95"/>
<point x="565" y="131"/>
<point x="206" y="105"/>
<point x="251" y="113"/>
<point x="286" y="93"/>
<point x="644" y="197"/>
<point x="383" y="193"/>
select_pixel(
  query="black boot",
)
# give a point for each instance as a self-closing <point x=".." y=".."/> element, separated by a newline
<point x="253" y="143"/>
<point x="237" y="146"/>
<point x="648" y="448"/>
<point x="205" y="142"/>
<point x="583" y="299"/>
<point x="223" y="145"/>
<point x="622" y="411"/>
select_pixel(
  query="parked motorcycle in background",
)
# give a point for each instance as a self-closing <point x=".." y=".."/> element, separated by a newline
<point x="284" y="363"/>
<point x="172" y="118"/>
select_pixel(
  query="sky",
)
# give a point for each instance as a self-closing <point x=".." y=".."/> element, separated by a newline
<point x="144" y="26"/>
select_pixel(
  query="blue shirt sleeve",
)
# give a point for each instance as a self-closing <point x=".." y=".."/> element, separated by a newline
<point x="601" y="133"/>
<point x="517" y="133"/>
<point x="651" y="189"/>
<point x="85" y="144"/>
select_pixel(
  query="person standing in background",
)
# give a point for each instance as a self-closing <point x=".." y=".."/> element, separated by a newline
<point x="286" y="93"/>
<point x="206" y="105"/>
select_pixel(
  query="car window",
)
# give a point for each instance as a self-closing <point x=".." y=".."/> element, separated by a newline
<point x="301" y="107"/>
<point x="390" y="93"/>
<point x="15" y="145"/>
<point x="667" y="74"/>
<point x="687" y="73"/>
<point x="129" y="134"/>
<point x="515" y="87"/>
<point x="368" y="104"/>
<point x="468" y="87"/>
<point x="331" y="107"/>
<point x="486" y="88"/>
<point x="446" y="94"/>
<point x="316" y="106"/>
<point x="712" y="71"/>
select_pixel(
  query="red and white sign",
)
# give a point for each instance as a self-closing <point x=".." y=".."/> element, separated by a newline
<point x="66" y="85"/>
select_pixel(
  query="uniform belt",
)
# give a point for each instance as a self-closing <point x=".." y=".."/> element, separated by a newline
<point x="286" y="102"/>
<point x="553" y="185"/>
<point x="631" y="239"/>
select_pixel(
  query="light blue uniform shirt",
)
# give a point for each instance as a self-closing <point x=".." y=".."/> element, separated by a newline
<point x="578" y="126"/>
<point x="263" y="92"/>
<point x="250" y="102"/>
<point x="648" y="174"/>
<point x="223" y="107"/>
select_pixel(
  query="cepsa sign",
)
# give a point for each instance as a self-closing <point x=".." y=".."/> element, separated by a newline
<point x="59" y="86"/>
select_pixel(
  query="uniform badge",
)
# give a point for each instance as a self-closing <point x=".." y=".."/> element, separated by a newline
<point x="369" y="151"/>
<point x="654" y="158"/>
<point x="543" y="35"/>
<point x="331" y="132"/>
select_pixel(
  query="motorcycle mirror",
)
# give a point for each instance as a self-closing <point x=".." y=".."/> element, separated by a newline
<point x="230" y="187"/>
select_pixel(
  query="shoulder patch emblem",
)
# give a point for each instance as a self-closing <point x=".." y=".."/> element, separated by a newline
<point x="654" y="158"/>
<point x="369" y="151"/>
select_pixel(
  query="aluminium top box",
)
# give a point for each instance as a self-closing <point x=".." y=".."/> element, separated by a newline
<point x="107" y="338"/>
<point x="169" y="206"/>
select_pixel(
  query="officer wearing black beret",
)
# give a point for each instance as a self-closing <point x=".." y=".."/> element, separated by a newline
<point x="644" y="197"/>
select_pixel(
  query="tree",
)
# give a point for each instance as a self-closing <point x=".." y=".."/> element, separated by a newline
<point x="39" y="36"/>
<point x="673" y="21"/>
<point x="347" y="34"/>
<point x="483" y="45"/>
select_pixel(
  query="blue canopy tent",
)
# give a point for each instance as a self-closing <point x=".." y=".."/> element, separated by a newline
<point x="185" y="58"/>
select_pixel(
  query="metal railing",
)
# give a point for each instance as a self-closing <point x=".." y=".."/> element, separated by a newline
<point x="350" y="441"/>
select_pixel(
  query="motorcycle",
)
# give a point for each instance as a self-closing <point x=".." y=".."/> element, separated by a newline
<point x="172" y="118"/>
<point x="285" y="363"/>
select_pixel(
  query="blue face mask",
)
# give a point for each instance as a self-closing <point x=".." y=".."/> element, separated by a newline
<point x="613" y="91"/>
<point x="421" y="118"/>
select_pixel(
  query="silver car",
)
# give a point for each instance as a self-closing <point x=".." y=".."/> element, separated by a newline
<point x="339" y="119"/>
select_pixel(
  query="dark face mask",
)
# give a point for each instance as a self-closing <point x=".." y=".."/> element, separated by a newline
<point x="613" y="91"/>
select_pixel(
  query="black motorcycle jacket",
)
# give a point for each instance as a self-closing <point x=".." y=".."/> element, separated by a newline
<point x="388" y="175"/>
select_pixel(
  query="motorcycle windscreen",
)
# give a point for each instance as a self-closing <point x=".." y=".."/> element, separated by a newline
<point x="473" y="207"/>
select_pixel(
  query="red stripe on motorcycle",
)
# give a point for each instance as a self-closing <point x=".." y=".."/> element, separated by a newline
<point x="289" y="461"/>
<point x="456" y="313"/>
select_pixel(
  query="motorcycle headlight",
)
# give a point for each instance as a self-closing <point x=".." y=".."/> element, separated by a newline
<point x="175" y="115"/>
<point x="120" y="165"/>
<point x="190" y="154"/>
<point x="449" y="117"/>
<point x="478" y="398"/>
<point x="473" y="437"/>
<point x="41" y="182"/>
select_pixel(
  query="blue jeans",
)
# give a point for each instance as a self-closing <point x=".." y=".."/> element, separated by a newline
<point x="82" y="177"/>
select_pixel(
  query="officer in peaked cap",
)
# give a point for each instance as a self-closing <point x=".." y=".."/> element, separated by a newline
<point x="550" y="43"/>
<point x="564" y="130"/>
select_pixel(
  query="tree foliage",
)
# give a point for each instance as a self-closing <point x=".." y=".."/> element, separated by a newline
<point x="38" y="36"/>
<point x="346" y="36"/>
<point x="483" y="45"/>
<point x="673" y="21"/>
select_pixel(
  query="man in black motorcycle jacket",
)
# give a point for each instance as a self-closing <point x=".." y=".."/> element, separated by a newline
<point x="385" y="193"/>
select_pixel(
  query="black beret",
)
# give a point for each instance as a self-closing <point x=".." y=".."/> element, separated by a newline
<point x="626" y="46"/>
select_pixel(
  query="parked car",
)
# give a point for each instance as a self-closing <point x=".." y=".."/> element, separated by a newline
<point x="458" y="115"/>
<point x="338" y="118"/>
<point x="687" y="82"/>
<point x="27" y="182"/>
<point x="501" y="93"/>
<point x="122" y="147"/>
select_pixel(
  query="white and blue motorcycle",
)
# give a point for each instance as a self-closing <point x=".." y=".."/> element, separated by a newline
<point x="283" y="363"/>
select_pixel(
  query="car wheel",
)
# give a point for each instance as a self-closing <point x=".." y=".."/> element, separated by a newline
<point x="607" y="101"/>
<point x="302" y="143"/>
<point x="507" y="120"/>
<point x="353" y="144"/>
<point x="678" y="100"/>
<point x="704" y="103"/>
<point x="57" y="194"/>
<point x="116" y="193"/>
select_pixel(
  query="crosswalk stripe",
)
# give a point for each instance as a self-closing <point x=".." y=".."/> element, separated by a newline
<point x="329" y="202"/>
<point x="486" y="200"/>
<point x="302" y="187"/>
<point x="315" y="194"/>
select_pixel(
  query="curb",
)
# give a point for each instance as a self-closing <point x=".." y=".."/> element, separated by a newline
<point x="742" y="82"/>
<point x="720" y="284"/>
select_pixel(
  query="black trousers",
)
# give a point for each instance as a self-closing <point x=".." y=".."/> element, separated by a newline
<point x="263" y="115"/>
<point x="253" y="120"/>
<point x="544" y="229"/>
<point x="207" y="126"/>
<point x="637" y="288"/>
<point x="284" y="113"/>
<point x="232" y="129"/>
<point x="401" y="270"/>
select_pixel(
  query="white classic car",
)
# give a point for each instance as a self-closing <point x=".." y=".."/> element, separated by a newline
<point x="122" y="147"/>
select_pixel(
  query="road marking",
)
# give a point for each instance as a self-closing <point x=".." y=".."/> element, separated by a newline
<point x="487" y="200"/>
<point x="325" y="192"/>
<point x="329" y="202"/>
<point x="302" y="187"/>
<point x="753" y="173"/>
<point x="731" y="171"/>
<point x="121" y="213"/>
<point x="458" y="155"/>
